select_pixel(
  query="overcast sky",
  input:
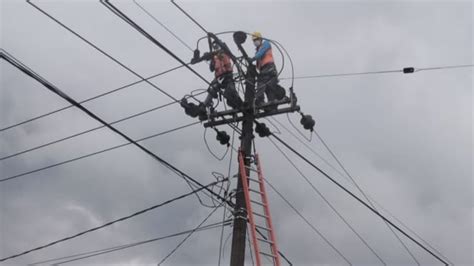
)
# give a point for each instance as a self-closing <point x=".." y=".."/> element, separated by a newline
<point x="407" y="139"/>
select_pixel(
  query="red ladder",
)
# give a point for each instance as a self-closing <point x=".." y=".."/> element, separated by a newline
<point x="262" y="222"/>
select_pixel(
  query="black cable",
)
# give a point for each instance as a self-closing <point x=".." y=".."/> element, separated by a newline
<point x="365" y="196"/>
<point x="95" y="153"/>
<point x="296" y="128"/>
<point x="191" y="18"/>
<point x="94" y="253"/>
<point x="189" y="234"/>
<point x="345" y="176"/>
<point x="378" y="72"/>
<point x="125" y="18"/>
<point x="163" y="25"/>
<point x="209" y="148"/>
<point x="103" y="52"/>
<point x="307" y="146"/>
<point x="88" y="99"/>
<point x="57" y="91"/>
<point x="358" y="199"/>
<point x="108" y="223"/>
<point x="307" y="221"/>
<point x="328" y="203"/>
<point x="84" y="132"/>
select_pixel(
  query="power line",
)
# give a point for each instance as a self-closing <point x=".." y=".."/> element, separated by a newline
<point x="89" y="99"/>
<point x="94" y="253"/>
<point x="84" y="132"/>
<point x="163" y="25"/>
<point x="103" y="52"/>
<point x="111" y="222"/>
<point x="357" y="198"/>
<point x="404" y="70"/>
<point x="373" y="200"/>
<point x="307" y="221"/>
<point x="190" y="234"/>
<point x="95" y="153"/>
<point x="57" y="91"/>
<point x="329" y="203"/>
<point x="189" y="16"/>
<point x="365" y="196"/>
<point x="125" y="18"/>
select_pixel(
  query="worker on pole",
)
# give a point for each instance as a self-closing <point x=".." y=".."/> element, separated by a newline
<point x="267" y="78"/>
<point x="221" y="65"/>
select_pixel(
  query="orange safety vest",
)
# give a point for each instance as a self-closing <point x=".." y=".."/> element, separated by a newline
<point x="222" y="64"/>
<point x="266" y="58"/>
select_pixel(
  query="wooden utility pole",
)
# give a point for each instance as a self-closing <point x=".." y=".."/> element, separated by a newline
<point x="240" y="211"/>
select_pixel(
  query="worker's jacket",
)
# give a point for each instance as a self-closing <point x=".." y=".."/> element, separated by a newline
<point x="222" y="64"/>
<point x="264" y="54"/>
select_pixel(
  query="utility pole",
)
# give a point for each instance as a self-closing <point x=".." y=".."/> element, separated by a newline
<point x="240" y="211"/>
<point x="247" y="115"/>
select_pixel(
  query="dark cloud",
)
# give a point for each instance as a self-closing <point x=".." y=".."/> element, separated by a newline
<point x="406" y="138"/>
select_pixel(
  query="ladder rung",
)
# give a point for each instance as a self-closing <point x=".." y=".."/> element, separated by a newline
<point x="259" y="203"/>
<point x="267" y="254"/>
<point x="261" y="215"/>
<point x="264" y="240"/>
<point x="256" y="191"/>
<point x="264" y="228"/>
<point x="251" y="169"/>
<point x="254" y="180"/>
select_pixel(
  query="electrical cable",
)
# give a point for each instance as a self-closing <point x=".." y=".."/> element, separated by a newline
<point x="108" y="223"/>
<point x="126" y="19"/>
<point x="307" y="221"/>
<point x="95" y="153"/>
<point x="378" y="72"/>
<point x="162" y="25"/>
<point x="85" y="100"/>
<point x="191" y="18"/>
<point x="309" y="147"/>
<point x="346" y="177"/>
<point x="296" y="128"/>
<point x="364" y="194"/>
<point x="229" y="169"/>
<point x="190" y="234"/>
<point x="344" y="220"/>
<point x="84" y="132"/>
<point x="89" y="254"/>
<point x="103" y="52"/>
<point x="60" y="93"/>
<point x="209" y="148"/>
<point x="358" y="199"/>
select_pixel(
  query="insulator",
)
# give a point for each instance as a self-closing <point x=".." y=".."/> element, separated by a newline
<point x="262" y="130"/>
<point x="307" y="121"/>
<point x="222" y="137"/>
<point x="190" y="109"/>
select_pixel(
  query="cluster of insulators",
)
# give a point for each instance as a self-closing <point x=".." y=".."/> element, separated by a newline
<point x="307" y="121"/>
<point x="222" y="137"/>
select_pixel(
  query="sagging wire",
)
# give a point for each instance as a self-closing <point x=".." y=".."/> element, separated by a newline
<point x="210" y="151"/>
<point x="296" y="128"/>
<point x="271" y="123"/>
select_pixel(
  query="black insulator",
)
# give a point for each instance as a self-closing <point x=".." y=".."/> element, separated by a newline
<point x="262" y="130"/>
<point x="307" y="121"/>
<point x="190" y="109"/>
<point x="408" y="70"/>
<point x="222" y="137"/>
<point x="240" y="37"/>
